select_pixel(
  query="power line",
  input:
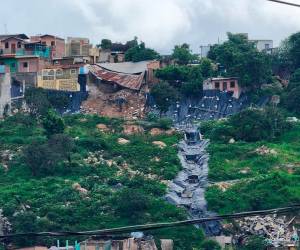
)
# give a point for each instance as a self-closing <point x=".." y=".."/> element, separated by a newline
<point x="147" y="227"/>
<point x="283" y="2"/>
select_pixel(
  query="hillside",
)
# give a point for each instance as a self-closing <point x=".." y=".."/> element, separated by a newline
<point x="105" y="182"/>
<point x="254" y="175"/>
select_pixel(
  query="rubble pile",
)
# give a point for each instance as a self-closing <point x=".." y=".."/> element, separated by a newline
<point x="123" y="103"/>
<point x="5" y="157"/>
<point x="278" y="230"/>
<point x="188" y="188"/>
<point x="263" y="150"/>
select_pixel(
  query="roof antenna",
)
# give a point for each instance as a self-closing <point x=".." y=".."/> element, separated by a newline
<point x="5" y="29"/>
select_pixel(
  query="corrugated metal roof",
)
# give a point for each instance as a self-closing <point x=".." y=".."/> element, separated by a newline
<point x="126" y="67"/>
<point x="129" y="81"/>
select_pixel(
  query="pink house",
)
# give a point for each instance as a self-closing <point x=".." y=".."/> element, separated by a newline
<point x="31" y="64"/>
<point x="57" y="44"/>
<point x="11" y="45"/>
<point x="227" y="84"/>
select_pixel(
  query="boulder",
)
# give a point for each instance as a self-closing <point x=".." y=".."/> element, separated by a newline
<point x="78" y="188"/>
<point x="231" y="141"/>
<point x="102" y="128"/>
<point x="133" y="129"/>
<point x="156" y="131"/>
<point x="159" y="144"/>
<point x="123" y="141"/>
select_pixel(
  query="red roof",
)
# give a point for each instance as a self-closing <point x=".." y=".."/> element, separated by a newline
<point x="129" y="81"/>
<point x="65" y="66"/>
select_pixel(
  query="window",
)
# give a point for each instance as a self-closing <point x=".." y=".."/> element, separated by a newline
<point x="224" y="85"/>
<point x="52" y="43"/>
<point x="25" y="64"/>
<point x="19" y="45"/>
<point x="217" y="85"/>
<point x="59" y="72"/>
<point x="267" y="46"/>
<point x="44" y="43"/>
<point x="73" y="71"/>
<point x="232" y="84"/>
<point x="7" y="45"/>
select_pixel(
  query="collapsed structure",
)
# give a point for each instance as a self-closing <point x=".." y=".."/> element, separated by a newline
<point x="118" y="89"/>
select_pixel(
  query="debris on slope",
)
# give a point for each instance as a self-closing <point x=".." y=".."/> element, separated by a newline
<point x="277" y="229"/>
<point x="263" y="150"/>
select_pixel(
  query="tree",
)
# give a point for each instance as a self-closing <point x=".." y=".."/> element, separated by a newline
<point x="206" y="68"/>
<point x="255" y="243"/>
<point x="291" y="100"/>
<point x="53" y="124"/>
<point x="164" y="95"/>
<point x="241" y="59"/>
<point x="105" y="44"/>
<point x="42" y="158"/>
<point x="293" y="49"/>
<point x="210" y="245"/>
<point x="39" y="159"/>
<point x="131" y="203"/>
<point x="37" y="101"/>
<point x="255" y="124"/>
<point x="192" y="88"/>
<point x="140" y="53"/>
<point x="182" y="54"/>
<point x="23" y="223"/>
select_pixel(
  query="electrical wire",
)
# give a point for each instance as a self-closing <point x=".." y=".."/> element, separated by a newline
<point x="147" y="227"/>
<point x="283" y="2"/>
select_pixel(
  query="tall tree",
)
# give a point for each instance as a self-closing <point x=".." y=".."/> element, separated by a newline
<point x="105" y="44"/>
<point x="182" y="54"/>
<point x="140" y="53"/>
<point x="53" y="123"/>
<point x="164" y="95"/>
<point x="241" y="59"/>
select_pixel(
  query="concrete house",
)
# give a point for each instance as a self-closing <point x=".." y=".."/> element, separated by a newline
<point x="56" y="44"/>
<point x="5" y="86"/>
<point x="225" y="84"/>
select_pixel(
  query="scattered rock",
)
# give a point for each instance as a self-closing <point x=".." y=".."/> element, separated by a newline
<point x="160" y="144"/>
<point x="245" y="170"/>
<point x="80" y="189"/>
<point x="123" y="141"/>
<point x="231" y="141"/>
<point x="102" y="128"/>
<point x="171" y="131"/>
<point x="156" y="131"/>
<point x="263" y="150"/>
<point x="133" y="129"/>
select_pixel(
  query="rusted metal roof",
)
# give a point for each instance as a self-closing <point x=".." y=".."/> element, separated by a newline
<point x="129" y="81"/>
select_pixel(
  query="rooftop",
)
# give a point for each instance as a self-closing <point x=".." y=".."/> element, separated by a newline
<point x="126" y="67"/>
<point x="20" y="36"/>
<point x="129" y="81"/>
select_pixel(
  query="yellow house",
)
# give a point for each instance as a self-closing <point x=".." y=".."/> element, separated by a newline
<point x="60" y="77"/>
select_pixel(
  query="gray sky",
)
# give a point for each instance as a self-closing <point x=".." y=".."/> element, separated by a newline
<point x="159" y="23"/>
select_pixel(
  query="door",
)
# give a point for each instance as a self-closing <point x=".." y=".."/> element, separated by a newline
<point x="224" y="86"/>
<point x="13" y="48"/>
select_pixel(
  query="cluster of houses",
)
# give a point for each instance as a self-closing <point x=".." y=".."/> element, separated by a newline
<point x="55" y="64"/>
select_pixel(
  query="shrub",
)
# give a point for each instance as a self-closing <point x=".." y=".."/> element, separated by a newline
<point x="53" y="124"/>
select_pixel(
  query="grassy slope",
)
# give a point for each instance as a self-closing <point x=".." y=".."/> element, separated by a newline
<point x="271" y="184"/>
<point x="59" y="207"/>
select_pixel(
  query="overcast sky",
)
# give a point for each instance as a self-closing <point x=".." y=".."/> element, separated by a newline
<point x="159" y="23"/>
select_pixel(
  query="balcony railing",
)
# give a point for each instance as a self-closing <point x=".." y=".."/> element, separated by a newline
<point x="40" y="53"/>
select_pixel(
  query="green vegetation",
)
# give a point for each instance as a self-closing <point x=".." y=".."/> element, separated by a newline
<point x="140" y="53"/>
<point x="164" y="95"/>
<point x="266" y="171"/>
<point x="85" y="179"/>
<point x="182" y="54"/>
<point x="241" y="59"/>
